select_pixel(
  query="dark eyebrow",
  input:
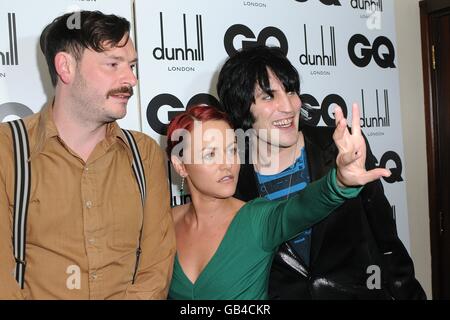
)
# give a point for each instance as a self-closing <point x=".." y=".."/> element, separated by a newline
<point x="119" y="58"/>
<point x="262" y="92"/>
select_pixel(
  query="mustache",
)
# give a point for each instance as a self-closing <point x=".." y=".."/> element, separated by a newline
<point x="125" y="89"/>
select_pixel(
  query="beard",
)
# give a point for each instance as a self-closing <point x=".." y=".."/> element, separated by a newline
<point x="90" y="105"/>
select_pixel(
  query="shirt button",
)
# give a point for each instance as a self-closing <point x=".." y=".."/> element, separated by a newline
<point x="91" y="241"/>
<point x="89" y="204"/>
<point x="93" y="276"/>
<point x="86" y="169"/>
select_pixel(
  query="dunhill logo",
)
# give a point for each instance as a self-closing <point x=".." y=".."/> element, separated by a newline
<point x="254" y="4"/>
<point x="182" y="53"/>
<point x="11" y="58"/>
<point x="325" y="2"/>
<point x="179" y="200"/>
<point x="378" y="121"/>
<point x="176" y="200"/>
<point x="322" y="59"/>
<point x="367" y="5"/>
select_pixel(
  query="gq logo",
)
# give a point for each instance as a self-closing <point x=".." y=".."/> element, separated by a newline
<point x="325" y="2"/>
<point x="166" y="99"/>
<point x="366" y="52"/>
<point x="396" y="171"/>
<point x="314" y="114"/>
<point x="261" y="39"/>
<point x="14" y="109"/>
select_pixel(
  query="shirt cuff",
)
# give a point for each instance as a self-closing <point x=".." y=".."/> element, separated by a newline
<point x="345" y="192"/>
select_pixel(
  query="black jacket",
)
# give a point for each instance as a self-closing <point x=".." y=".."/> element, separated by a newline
<point x="346" y="245"/>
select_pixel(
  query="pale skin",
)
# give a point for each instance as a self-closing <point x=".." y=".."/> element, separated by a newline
<point x="85" y="101"/>
<point x="277" y="113"/>
<point x="198" y="227"/>
<point x="201" y="225"/>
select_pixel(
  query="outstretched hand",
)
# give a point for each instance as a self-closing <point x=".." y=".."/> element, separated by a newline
<point x="351" y="159"/>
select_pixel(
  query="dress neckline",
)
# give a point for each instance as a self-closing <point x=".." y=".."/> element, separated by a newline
<point x="213" y="258"/>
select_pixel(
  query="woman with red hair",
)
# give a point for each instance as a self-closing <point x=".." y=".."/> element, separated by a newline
<point x="224" y="246"/>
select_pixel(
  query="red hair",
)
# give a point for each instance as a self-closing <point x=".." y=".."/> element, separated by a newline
<point x="185" y="120"/>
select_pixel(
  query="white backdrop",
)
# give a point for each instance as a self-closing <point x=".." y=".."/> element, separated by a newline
<point x="344" y="51"/>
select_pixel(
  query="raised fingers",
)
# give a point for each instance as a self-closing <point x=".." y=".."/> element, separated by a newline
<point x="338" y="115"/>
<point x="341" y="124"/>
<point x="356" y="127"/>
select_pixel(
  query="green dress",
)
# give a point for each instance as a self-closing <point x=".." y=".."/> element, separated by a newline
<point x="240" y="267"/>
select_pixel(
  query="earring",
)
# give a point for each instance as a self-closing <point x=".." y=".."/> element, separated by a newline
<point x="182" y="187"/>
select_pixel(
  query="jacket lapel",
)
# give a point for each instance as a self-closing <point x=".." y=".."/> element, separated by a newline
<point x="321" y="153"/>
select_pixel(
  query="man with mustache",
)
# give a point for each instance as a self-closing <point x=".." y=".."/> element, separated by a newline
<point x="93" y="229"/>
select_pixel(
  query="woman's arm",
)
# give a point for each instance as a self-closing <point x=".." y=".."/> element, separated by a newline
<point x="274" y="222"/>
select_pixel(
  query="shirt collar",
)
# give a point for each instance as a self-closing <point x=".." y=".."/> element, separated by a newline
<point x="47" y="129"/>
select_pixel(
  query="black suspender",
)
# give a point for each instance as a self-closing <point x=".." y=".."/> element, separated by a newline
<point x="22" y="185"/>
<point x="139" y="173"/>
<point x="138" y="168"/>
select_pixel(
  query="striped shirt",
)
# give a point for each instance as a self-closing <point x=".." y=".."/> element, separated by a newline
<point x="284" y="184"/>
